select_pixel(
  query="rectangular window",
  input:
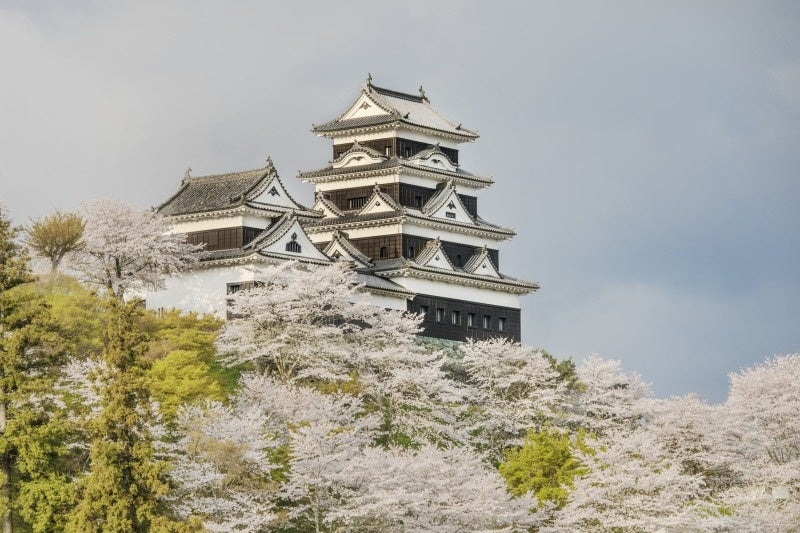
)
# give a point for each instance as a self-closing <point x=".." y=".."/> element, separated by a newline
<point x="234" y="288"/>
<point x="423" y="310"/>
<point x="456" y="317"/>
<point x="418" y="201"/>
<point x="487" y="322"/>
<point x="388" y="151"/>
<point x="471" y="320"/>
<point x="450" y="214"/>
<point x="408" y="151"/>
<point x="501" y="325"/>
<point x="439" y="315"/>
<point x="356" y="203"/>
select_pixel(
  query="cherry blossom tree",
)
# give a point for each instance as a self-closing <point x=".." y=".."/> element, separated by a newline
<point x="125" y="250"/>
<point x="313" y="325"/>
<point x="633" y="484"/>
<point x="515" y="389"/>
<point x="607" y="398"/>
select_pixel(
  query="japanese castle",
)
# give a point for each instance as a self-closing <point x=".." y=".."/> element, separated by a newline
<point x="393" y="202"/>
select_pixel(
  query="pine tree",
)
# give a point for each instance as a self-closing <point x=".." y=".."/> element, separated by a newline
<point x="125" y="487"/>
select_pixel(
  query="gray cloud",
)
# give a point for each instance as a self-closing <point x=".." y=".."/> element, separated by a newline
<point x="647" y="153"/>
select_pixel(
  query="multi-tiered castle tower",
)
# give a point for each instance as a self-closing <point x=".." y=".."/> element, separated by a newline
<point x="396" y="190"/>
<point x="393" y="201"/>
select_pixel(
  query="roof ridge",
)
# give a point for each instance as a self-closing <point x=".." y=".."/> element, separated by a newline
<point x="254" y="172"/>
<point x="398" y="94"/>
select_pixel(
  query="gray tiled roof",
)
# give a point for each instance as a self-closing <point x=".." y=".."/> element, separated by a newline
<point x="376" y="282"/>
<point x="391" y="266"/>
<point x="393" y="162"/>
<point x="212" y="193"/>
<point x="403" y="108"/>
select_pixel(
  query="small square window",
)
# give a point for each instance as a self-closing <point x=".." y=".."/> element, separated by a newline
<point x="234" y="288"/>
<point x="450" y="214"/>
<point x="455" y="317"/>
<point x="388" y="151"/>
<point x="408" y="151"/>
<point x="439" y="315"/>
<point x="418" y="201"/>
<point x="470" y="320"/>
<point x="501" y="325"/>
<point x="423" y="310"/>
<point x="487" y="322"/>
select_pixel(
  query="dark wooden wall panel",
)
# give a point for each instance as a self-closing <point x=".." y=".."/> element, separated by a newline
<point x="446" y="329"/>
<point x="396" y="146"/>
<point x="223" y="239"/>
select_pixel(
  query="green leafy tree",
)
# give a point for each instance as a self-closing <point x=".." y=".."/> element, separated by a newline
<point x="545" y="465"/>
<point x="185" y="368"/>
<point x="126" y="484"/>
<point x="55" y="235"/>
<point x="34" y="479"/>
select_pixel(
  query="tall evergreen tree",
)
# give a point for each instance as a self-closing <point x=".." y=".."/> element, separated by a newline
<point x="124" y="489"/>
<point x="33" y="486"/>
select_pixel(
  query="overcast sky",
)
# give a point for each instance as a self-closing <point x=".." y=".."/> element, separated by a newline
<point x="648" y="153"/>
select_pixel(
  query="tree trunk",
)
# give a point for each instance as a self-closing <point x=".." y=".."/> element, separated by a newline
<point x="5" y="464"/>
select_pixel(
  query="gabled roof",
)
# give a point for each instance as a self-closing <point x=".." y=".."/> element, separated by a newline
<point x="482" y="264"/>
<point x="327" y="207"/>
<point x="379" y="202"/>
<point x="345" y="250"/>
<point x="434" y="157"/>
<point x="353" y="156"/>
<point x="377" y="106"/>
<point x="272" y="242"/>
<point x="260" y="188"/>
<point x="433" y="256"/>
<point x="446" y="200"/>
<point x="399" y="268"/>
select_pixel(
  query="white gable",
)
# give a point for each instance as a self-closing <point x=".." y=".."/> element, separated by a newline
<point x="358" y="158"/>
<point x="439" y="260"/>
<point x="376" y="204"/>
<point x="274" y="194"/>
<point x="335" y="250"/>
<point x="297" y="235"/>
<point x="437" y="161"/>
<point x="486" y="268"/>
<point x="327" y="212"/>
<point x="453" y="209"/>
<point x="364" y="107"/>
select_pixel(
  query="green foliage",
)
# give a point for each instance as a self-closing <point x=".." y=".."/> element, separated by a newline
<point x="545" y="465"/>
<point x="35" y="460"/>
<point x="565" y="369"/>
<point x="55" y="235"/>
<point x="126" y="484"/>
<point x="185" y="369"/>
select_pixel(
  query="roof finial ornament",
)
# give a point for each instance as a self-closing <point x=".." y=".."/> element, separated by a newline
<point x="269" y="161"/>
<point x="369" y="79"/>
<point x="422" y="93"/>
<point x="188" y="173"/>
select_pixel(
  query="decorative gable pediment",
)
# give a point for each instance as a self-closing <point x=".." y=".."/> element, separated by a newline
<point x="482" y="265"/>
<point x="434" y="158"/>
<point x="447" y="205"/>
<point x="271" y="191"/>
<point x="433" y="256"/>
<point x="288" y="238"/>
<point x="343" y="250"/>
<point x="358" y="155"/>
<point x="327" y="208"/>
<point x="379" y="202"/>
<point x="365" y="106"/>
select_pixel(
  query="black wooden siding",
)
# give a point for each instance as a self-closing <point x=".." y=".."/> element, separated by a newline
<point x="446" y="329"/>
<point x="223" y="239"/>
<point x="402" y="193"/>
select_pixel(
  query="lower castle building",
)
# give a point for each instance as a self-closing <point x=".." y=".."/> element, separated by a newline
<point x="393" y="201"/>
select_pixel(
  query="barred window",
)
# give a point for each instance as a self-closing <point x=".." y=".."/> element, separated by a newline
<point x="293" y="247"/>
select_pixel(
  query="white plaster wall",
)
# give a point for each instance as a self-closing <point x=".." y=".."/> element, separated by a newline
<point x="388" y="302"/>
<point x="357" y="233"/>
<point x="202" y="290"/>
<point x="452" y="236"/>
<point x="458" y="292"/>
<point x="211" y="223"/>
<point x="358" y="111"/>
